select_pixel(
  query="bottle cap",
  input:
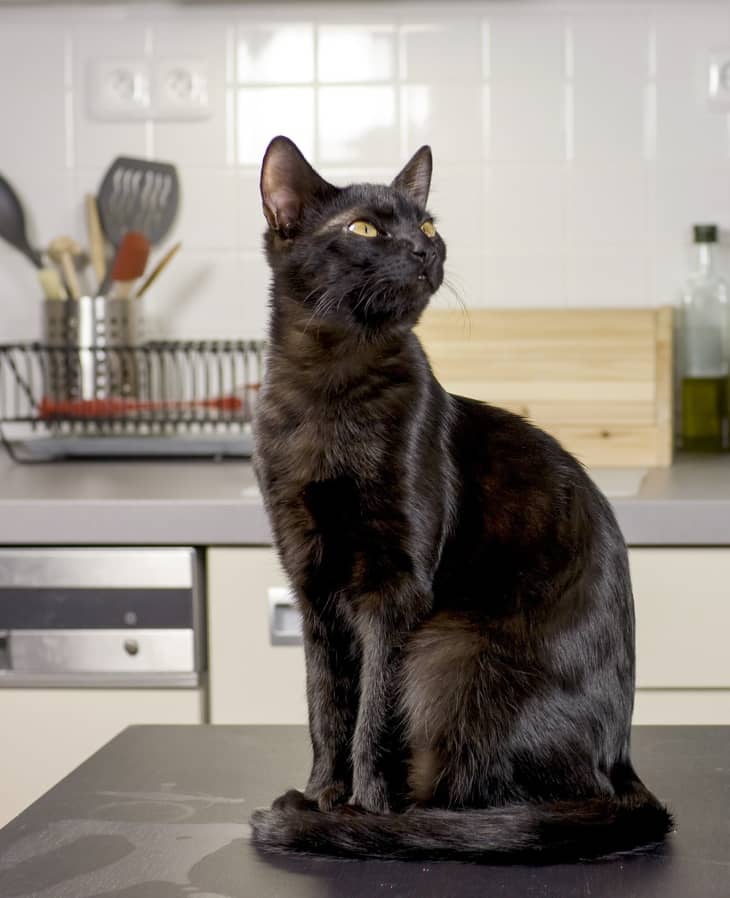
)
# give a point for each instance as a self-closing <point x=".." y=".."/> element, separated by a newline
<point x="705" y="233"/>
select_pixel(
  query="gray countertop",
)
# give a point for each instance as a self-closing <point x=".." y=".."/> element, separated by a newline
<point x="217" y="503"/>
<point x="161" y="812"/>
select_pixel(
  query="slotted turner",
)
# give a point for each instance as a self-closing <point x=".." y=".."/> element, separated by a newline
<point x="137" y="195"/>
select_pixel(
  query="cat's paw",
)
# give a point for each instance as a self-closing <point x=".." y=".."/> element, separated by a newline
<point x="372" y="796"/>
<point x="328" y="797"/>
<point x="293" y="800"/>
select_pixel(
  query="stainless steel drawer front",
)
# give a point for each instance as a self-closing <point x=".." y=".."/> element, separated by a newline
<point x="101" y="651"/>
<point x="85" y="616"/>
<point x="140" y="568"/>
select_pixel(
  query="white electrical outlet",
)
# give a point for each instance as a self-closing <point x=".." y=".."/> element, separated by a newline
<point x="718" y="80"/>
<point x="181" y="89"/>
<point x="168" y="89"/>
<point x="119" y="89"/>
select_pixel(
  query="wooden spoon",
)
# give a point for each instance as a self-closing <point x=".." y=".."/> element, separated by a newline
<point x="63" y="250"/>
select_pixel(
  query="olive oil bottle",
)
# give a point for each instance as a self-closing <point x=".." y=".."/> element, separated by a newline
<point x="703" y="352"/>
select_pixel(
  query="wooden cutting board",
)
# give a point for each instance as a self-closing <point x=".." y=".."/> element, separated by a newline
<point x="599" y="380"/>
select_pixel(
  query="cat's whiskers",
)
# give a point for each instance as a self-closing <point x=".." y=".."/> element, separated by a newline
<point x="452" y="289"/>
<point x="317" y="309"/>
<point x="370" y="284"/>
<point x="374" y="293"/>
<point x="333" y="303"/>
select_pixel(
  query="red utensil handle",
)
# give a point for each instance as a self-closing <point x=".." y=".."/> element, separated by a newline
<point x="109" y="408"/>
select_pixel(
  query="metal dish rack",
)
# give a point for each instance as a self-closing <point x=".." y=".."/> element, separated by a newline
<point x="154" y="399"/>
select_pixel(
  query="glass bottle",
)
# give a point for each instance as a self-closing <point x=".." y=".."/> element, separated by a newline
<point x="704" y="345"/>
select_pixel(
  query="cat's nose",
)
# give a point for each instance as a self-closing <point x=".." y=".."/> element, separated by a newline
<point x="425" y="255"/>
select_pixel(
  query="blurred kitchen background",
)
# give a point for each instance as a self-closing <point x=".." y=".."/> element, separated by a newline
<point x="574" y="142"/>
<point x="576" y="145"/>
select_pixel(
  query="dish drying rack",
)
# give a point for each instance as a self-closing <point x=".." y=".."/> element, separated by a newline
<point x="154" y="399"/>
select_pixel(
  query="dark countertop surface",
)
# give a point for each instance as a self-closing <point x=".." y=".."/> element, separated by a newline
<point x="160" y="812"/>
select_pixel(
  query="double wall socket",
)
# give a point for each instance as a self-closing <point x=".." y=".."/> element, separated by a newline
<point x="165" y="89"/>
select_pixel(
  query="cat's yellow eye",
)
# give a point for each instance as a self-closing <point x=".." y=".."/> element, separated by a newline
<point x="429" y="229"/>
<point x="363" y="229"/>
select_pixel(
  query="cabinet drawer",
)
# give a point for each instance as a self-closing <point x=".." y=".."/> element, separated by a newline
<point x="682" y="601"/>
<point x="682" y="621"/>
<point x="251" y="680"/>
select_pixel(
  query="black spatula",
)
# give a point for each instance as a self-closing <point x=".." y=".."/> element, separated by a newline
<point x="12" y="223"/>
<point x="137" y="195"/>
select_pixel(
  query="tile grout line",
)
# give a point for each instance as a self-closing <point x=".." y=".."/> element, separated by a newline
<point x="316" y="86"/>
<point x="149" y="125"/>
<point x="231" y="97"/>
<point x="651" y="150"/>
<point x="68" y="95"/>
<point x="486" y="97"/>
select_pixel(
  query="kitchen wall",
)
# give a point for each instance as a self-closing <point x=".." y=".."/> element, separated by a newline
<point x="573" y="144"/>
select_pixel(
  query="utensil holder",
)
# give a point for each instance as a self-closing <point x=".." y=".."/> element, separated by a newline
<point x="91" y="348"/>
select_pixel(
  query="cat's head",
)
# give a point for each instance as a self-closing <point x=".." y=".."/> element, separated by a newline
<point x="366" y="256"/>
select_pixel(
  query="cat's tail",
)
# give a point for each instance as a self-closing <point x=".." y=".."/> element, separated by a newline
<point x="527" y="833"/>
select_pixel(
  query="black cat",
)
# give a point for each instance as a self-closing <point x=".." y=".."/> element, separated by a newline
<point x="465" y="592"/>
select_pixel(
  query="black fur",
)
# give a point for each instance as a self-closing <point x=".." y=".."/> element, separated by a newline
<point x="465" y="592"/>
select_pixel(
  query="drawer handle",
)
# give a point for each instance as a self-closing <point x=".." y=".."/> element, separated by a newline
<point x="285" y="620"/>
<point x="131" y="646"/>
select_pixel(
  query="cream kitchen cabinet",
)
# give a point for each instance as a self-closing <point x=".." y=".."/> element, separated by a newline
<point x="250" y="680"/>
<point x="49" y="732"/>
<point x="682" y="619"/>
<point x="682" y="600"/>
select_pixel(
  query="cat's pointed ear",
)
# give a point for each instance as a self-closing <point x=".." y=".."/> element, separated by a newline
<point x="415" y="176"/>
<point x="288" y="185"/>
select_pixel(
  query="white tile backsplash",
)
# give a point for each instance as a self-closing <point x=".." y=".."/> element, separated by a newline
<point x="525" y="279"/>
<point x="463" y="281"/>
<point x="688" y="193"/>
<point x="357" y="124"/>
<point x="251" y="220"/>
<point x="610" y="71"/>
<point x="527" y="46"/>
<point x="97" y="143"/>
<point x="19" y="297"/>
<point x="356" y="53"/>
<point x="607" y="205"/>
<point x="32" y="98"/>
<point x="442" y="51"/>
<point x="203" y="142"/>
<point x="208" y="217"/>
<point x="446" y="116"/>
<point x="572" y="142"/>
<point x="264" y="112"/>
<point x="455" y="201"/>
<point x="687" y="131"/>
<point x="606" y="278"/>
<point x="527" y="121"/>
<point x="197" y="292"/>
<point x="524" y="207"/>
<point x="275" y="53"/>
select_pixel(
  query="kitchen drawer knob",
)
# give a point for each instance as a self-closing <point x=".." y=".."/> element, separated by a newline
<point x="131" y="646"/>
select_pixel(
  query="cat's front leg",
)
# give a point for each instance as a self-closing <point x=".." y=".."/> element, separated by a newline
<point x="332" y="695"/>
<point x="383" y="620"/>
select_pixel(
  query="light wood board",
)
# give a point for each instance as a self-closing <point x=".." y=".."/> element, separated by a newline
<point x="599" y="380"/>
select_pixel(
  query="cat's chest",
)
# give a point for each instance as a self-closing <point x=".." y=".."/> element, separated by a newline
<point x="313" y="442"/>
